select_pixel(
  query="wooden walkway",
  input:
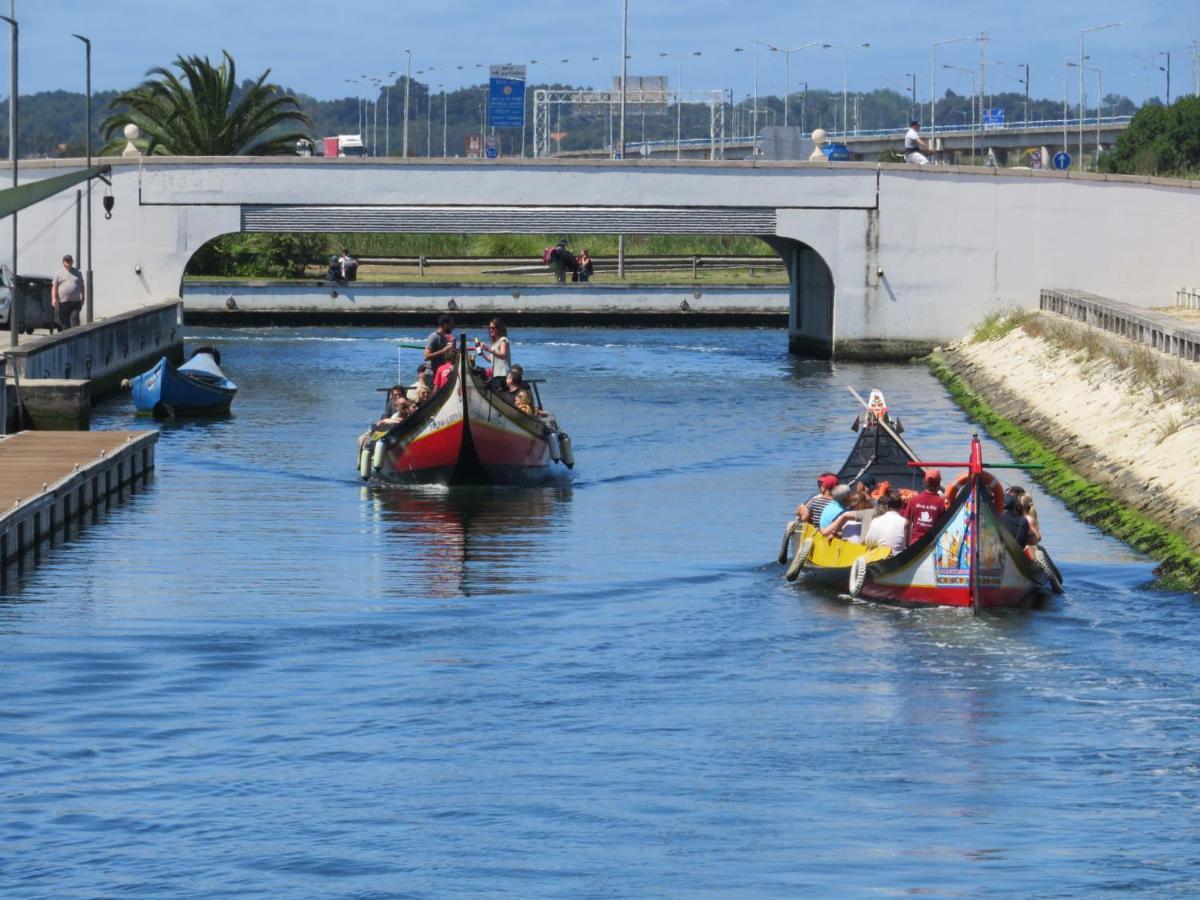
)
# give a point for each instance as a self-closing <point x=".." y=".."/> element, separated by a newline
<point x="48" y="478"/>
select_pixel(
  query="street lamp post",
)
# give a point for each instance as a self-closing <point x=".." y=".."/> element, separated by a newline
<point x="87" y="284"/>
<point x="1167" y="69"/>
<point x="1025" y="81"/>
<point x="787" y="71"/>
<point x="912" y="109"/>
<point x="624" y="73"/>
<point x="933" y="78"/>
<point x="754" y="114"/>
<point x="974" y="82"/>
<point x="1081" y="59"/>
<point x="12" y="155"/>
<point x="1099" y="103"/>
<point x="679" y="57"/>
<point x="407" y="83"/>
<point x="445" y="101"/>
<point x="845" y="48"/>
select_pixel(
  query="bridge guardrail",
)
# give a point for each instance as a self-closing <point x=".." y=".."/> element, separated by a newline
<point x="1161" y="332"/>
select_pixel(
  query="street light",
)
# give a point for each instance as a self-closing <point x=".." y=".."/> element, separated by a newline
<point x="754" y="115"/>
<point x="912" y="109"/>
<point x="970" y="72"/>
<point x="87" y="45"/>
<point x="845" y="48"/>
<point x="933" y="78"/>
<point x="1025" y="81"/>
<point x="787" y="72"/>
<point x="679" y="57"/>
<point x="407" y="83"/>
<point x="1167" y="69"/>
<point x="1082" y="33"/>
<point x="14" y="34"/>
<point x="1100" y="94"/>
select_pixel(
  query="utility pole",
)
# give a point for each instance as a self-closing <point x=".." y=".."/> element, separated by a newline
<point x="1167" y="54"/>
<point x="1195" y="71"/>
<point x="12" y="156"/>
<point x="1026" y="120"/>
<point x="624" y="74"/>
<point x="982" y="72"/>
<point x="407" y="82"/>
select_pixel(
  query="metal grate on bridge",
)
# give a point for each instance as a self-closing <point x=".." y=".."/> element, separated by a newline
<point x="511" y="219"/>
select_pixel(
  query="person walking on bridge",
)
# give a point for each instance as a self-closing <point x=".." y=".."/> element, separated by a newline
<point x="915" y="146"/>
<point x="67" y="293"/>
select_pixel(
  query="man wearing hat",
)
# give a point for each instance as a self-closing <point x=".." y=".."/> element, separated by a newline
<point x="925" y="508"/>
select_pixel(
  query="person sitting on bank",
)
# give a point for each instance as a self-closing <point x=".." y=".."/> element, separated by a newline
<point x="349" y="266"/>
<point x="498" y="351"/>
<point x="924" y="509"/>
<point x="583" y="266"/>
<point x="67" y="294"/>
<point x="810" y="510"/>
<point x="915" y="146"/>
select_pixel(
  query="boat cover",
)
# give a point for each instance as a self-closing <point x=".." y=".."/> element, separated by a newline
<point x="203" y="366"/>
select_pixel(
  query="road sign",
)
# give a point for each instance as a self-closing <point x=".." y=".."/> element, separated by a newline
<point x="1062" y="160"/>
<point x="506" y="96"/>
<point x="835" y="152"/>
<point x="474" y="146"/>
<point x="492" y="152"/>
<point x="993" y="117"/>
<point x="493" y="147"/>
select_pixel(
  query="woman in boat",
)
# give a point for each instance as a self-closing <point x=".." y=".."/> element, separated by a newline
<point x="1025" y="508"/>
<point x="498" y="351"/>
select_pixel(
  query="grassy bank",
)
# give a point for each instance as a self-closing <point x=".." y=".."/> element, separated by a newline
<point x="1179" y="566"/>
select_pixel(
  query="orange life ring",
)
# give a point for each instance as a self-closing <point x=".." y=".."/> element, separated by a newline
<point x="990" y="482"/>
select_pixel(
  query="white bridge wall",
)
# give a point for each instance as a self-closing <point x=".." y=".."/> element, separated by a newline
<point x="915" y="256"/>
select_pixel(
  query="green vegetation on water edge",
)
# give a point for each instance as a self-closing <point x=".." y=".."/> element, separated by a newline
<point x="1179" y="565"/>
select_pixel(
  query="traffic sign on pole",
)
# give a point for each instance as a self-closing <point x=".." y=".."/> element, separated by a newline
<point x="1062" y="160"/>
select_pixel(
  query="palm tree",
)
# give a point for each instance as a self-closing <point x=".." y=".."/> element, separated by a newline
<point x="205" y="113"/>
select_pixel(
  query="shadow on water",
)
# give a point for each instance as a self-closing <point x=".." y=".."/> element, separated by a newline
<point x="471" y="540"/>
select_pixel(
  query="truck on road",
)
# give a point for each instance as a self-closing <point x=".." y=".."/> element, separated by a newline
<point x="344" y="145"/>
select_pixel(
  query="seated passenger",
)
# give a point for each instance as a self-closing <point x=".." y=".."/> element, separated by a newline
<point x="420" y="390"/>
<point x="924" y="509"/>
<point x="1014" y="520"/>
<point x="445" y="369"/>
<point x="1025" y="508"/>
<point x="853" y="523"/>
<point x="838" y="498"/>
<point x="889" y="528"/>
<point x="398" y="407"/>
<point x="811" y="509"/>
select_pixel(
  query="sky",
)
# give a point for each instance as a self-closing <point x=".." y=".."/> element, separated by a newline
<point x="314" y="47"/>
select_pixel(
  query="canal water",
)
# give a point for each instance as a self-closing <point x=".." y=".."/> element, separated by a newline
<point x="257" y="676"/>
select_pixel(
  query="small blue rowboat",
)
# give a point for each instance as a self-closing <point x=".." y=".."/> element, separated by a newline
<point x="198" y="387"/>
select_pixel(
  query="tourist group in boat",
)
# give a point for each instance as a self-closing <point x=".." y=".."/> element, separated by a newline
<point x="884" y="526"/>
<point x="462" y="422"/>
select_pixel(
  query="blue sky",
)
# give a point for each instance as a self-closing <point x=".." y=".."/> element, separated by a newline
<point x="315" y="46"/>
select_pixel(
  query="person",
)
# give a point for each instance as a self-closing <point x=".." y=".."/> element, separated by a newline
<point x="518" y="392"/>
<point x="583" y="265"/>
<point x="440" y="343"/>
<point x="67" y="293"/>
<point x="915" y="146"/>
<point x="851" y="525"/>
<point x="349" y="266"/>
<point x="498" y="351"/>
<point x="1025" y="509"/>
<point x="1014" y="521"/>
<point x="561" y="261"/>
<point x="811" y="509"/>
<point x="399" y="407"/>
<point x="889" y="528"/>
<point x="334" y="272"/>
<point x="925" y="508"/>
<point x="838" y="498"/>
<point x="446" y="368"/>
<point x="421" y="389"/>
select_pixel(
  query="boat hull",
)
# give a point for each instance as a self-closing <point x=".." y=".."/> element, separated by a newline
<point x="465" y="434"/>
<point x="164" y="391"/>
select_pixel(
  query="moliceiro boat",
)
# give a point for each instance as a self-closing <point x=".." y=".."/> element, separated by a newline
<point x="196" y="388"/>
<point x="466" y="433"/>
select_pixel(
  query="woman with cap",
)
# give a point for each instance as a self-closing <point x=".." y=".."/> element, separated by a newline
<point x="811" y="509"/>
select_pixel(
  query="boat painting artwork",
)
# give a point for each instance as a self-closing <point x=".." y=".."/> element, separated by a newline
<point x="196" y="388"/>
<point x="466" y="433"/>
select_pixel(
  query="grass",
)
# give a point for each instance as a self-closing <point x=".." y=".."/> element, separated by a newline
<point x="1179" y="565"/>
<point x="997" y="324"/>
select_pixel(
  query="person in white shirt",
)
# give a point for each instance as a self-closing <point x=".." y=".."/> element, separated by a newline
<point x="915" y="146"/>
<point x="889" y="529"/>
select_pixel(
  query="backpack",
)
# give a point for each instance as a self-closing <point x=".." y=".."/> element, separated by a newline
<point x="547" y="255"/>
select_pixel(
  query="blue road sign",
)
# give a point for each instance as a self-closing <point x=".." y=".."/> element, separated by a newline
<point x="993" y="117"/>
<point x="491" y="152"/>
<point x="506" y="97"/>
<point x="1062" y="160"/>
<point x="835" y="152"/>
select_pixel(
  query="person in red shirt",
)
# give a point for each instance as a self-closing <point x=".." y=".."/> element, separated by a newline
<point x="443" y="373"/>
<point x="924" y="509"/>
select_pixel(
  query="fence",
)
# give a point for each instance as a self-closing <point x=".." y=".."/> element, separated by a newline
<point x="1188" y="298"/>
<point x="1161" y="332"/>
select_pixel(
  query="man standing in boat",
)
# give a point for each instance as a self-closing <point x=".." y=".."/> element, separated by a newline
<point x="440" y="345"/>
<point x="925" y="508"/>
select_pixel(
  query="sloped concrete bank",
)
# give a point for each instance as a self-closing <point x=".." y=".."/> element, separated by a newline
<point x="1116" y="426"/>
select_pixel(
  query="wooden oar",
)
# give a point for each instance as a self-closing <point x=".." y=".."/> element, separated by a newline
<point x="884" y="425"/>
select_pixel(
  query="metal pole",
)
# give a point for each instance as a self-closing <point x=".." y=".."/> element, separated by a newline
<point x="624" y="71"/>
<point x="754" y="119"/>
<point x="804" y="109"/>
<point x="679" y="112"/>
<point x="407" y="83"/>
<point x="1026" y="122"/>
<point x="78" y="224"/>
<point x="845" y="76"/>
<point x="387" y="120"/>
<point x="1066" y="64"/>
<point x="1081" y="34"/>
<point x="445" y="100"/>
<point x="12" y="155"/>
<point x="621" y="257"/>
<point x="787" y="83"/>
<point x="1099" y="103"/>
<point x="87" y="283"/>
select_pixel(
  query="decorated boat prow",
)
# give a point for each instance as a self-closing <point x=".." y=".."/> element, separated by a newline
<point x="880" y="453"/>
<point x="968" y="559"/>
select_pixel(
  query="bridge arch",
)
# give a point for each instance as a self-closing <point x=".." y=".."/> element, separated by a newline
<point x="811" y="297"/>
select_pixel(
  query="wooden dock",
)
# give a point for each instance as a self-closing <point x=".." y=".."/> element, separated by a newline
<point x="48" y="478"/>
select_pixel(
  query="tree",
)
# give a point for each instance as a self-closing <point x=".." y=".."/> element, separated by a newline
<point x="1161" y="140"/>
<point x="206" y="113"/>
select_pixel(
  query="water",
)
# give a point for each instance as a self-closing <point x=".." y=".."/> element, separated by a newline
<point x="259" y="677"/>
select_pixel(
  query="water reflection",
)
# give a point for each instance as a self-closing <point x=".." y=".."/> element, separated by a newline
<point x="465" y="541"/>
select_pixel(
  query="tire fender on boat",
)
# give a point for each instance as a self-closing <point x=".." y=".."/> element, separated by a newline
<point x="799" y="560"/>
<point x="555" y="450"/>
<point x="377" y="456"/>
<point x="858" y="576"/>
<point x="787" y="540"/>
<point x="1042" y="560"/>
<point x="364" y="461"/>
<point x="990" y="482"/>
<point x="564" y="445"/>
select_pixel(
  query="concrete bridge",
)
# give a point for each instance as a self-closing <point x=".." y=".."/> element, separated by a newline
<point x="882" y="259"/>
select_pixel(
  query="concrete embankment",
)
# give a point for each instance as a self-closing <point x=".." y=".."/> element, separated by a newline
<point x="376" y="302"/>
<point x="1115" y="423"/>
